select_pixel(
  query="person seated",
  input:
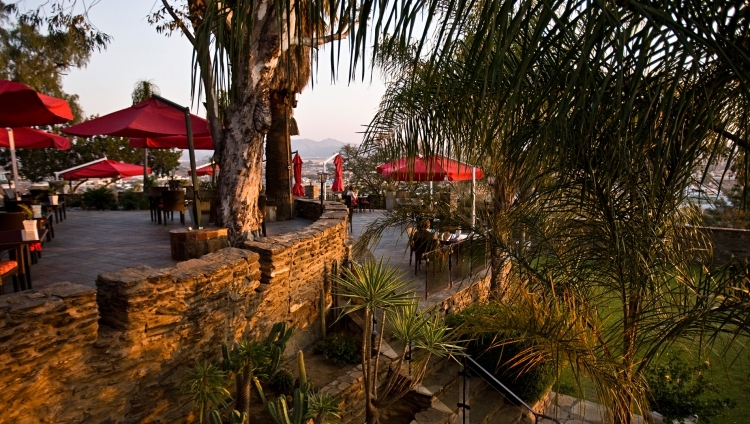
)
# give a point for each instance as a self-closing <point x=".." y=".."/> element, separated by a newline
<point x="352" y="195"/>
<point x="423" y="241"/>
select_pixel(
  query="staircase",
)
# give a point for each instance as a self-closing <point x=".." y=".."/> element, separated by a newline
<point x="438" y="397"/>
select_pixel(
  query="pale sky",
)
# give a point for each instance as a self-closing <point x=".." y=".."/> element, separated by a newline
<point x="137" y="52"/>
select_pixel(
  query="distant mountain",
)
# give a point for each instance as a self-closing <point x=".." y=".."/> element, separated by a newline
<point x="316" y="149"/>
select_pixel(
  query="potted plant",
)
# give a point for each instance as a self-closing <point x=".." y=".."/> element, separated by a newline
<point x="52" y="196"/>
<point x="29" y="224"/>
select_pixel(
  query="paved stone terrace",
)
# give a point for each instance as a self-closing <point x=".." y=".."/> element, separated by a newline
<point x="88" y="243"/>
<point x="92" y="242"/>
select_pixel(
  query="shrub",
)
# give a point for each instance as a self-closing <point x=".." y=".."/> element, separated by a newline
<point x="99" y="198"/>
<point x="497" y="353"/>
<point x="133" y="201"/>
<point x="679" y="391"/>
<point x="282" y="382"/>
<point x="339" y="349"/>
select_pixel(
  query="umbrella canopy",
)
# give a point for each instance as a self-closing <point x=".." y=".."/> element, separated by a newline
<point x="104" y="168"/>
<point x="297" y="190"/>
<point x="29" y="138"/>
<point x="430" y="168"/>
<point x="20" y="106"/>
<point x="150" y="118"/>
<point x="203" y="170"/>
<point x="338" y="178"/>
<point x="203" y="142"/>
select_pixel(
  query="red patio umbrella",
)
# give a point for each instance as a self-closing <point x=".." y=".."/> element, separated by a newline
<point x="430" y="168"/>
<point x="103" y="168"/>
<point x="151" y="118"/>
<point x="297" y="190"/>
<point x="29" y="138"/>
<point x="20" y="106"/>
<point x="203" y="170"/>
<point x="203" y="142"/>
<point x="338" y="178"/>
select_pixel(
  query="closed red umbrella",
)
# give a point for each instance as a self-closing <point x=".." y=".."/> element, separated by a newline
<point x="297" y="190"/>
<point x="338" y="178"/>
<point x="103" y="168"/>
<point x="29" y="138"/>
<point x="204" y="142"/>
<point x="20" y="106"/>
<point x="149" y="118"/>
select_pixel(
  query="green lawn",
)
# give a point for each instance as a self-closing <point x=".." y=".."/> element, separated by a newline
<point x="729" y="371"/>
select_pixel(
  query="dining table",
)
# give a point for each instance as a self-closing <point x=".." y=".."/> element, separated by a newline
<point x="13" y="240"/>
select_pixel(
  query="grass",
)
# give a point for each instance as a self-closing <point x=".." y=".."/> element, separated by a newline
<point x="729" y="372"/>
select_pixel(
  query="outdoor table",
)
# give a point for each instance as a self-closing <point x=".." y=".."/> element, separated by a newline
<point x="48" y="224"/>
<point x="14" y="240"/>
<point x="59" y="210"/>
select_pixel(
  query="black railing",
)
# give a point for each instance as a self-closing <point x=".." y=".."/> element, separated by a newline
<point x="470" y="363"/>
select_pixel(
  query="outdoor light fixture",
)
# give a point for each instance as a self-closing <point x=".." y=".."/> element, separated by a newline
<point x="322" y="177"/>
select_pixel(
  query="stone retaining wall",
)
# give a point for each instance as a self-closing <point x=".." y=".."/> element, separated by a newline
<point x="72" y="354"/>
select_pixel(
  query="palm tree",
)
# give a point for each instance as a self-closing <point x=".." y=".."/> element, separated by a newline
<point x="607" y="110"/>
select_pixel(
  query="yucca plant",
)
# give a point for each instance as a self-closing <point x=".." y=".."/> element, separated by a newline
<point x="205" y="387"/>
<point x="244" y="359"/>
<point x="380" y="291"/>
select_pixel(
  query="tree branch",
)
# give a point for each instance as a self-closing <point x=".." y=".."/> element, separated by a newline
<point x="179" y="22"/>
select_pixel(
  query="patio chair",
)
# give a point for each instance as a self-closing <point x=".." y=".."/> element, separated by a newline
<point x="8" y="269"/>
<point x="424" y="241"/>
<point x="173" y="201"/>
<point x="365" y="202"/>
<point x="154" y="198"/>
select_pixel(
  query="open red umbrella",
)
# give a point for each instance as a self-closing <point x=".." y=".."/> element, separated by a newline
<point x="203" y="170"/>
<point x="203" y="142"/>
<point x="20" y="106"/>
<point x="103" y="168"/>
<point x="29" y="138"/>
<point x="149" y="118"/>
<point x="430" y="168"/>
<point x="338" y="178"/>
<point x="297" y="190"/>
<point x="152" y="118"/>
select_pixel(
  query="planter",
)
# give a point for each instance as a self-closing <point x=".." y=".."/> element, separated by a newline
<point x="37" y="209"/>
<point x="390" y="200"/>
<point x="30" y="230"/>
<point x="54" y="199"/>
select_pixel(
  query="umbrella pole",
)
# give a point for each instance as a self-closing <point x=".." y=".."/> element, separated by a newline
<point x="191" y="153"/>
<point x="473" y="197"/>
<point x="145" y="169"/>
<point x="12" y="145"/>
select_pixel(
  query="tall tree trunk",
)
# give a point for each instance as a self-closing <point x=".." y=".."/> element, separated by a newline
<point x="500" y="263"/>
<point x="278" y="155"/>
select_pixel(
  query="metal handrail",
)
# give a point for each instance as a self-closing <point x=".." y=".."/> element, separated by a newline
<point x="500" y="387"/>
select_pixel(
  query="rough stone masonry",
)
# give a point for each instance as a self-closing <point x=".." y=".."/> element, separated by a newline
<point x="117" y="353"/>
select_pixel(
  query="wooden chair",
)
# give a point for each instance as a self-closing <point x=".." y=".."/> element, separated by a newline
<point x="154" y="198"/>
<point x="173" y="201"/>
<point x="8" y="269"/>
